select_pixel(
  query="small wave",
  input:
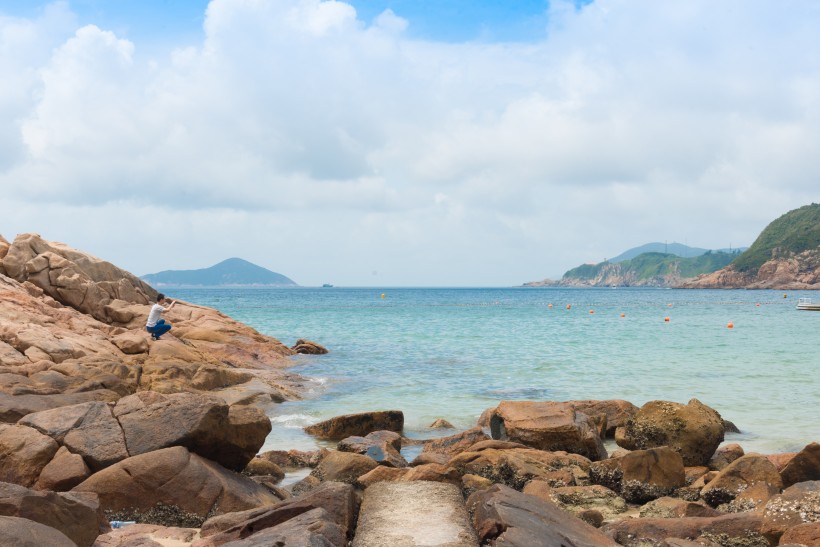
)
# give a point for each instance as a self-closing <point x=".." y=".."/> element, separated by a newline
<point x="293" y="421"/>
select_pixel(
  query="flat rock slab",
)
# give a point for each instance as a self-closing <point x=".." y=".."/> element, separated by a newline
<point x="407" y="514"/>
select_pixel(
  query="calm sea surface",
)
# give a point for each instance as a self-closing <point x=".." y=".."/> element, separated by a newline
<point x="452" y="353"/>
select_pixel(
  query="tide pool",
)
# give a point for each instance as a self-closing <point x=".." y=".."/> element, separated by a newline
<point x="452" y="353"/>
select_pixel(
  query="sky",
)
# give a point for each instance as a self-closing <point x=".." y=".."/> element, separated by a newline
<point x="404" y="142"/>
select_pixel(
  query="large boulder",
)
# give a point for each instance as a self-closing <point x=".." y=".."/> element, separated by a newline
<point x="77" y="516"/>
<point x="343" y="467"/>
<point x="738" y="476"/>
<point x="24" y="452"/>
<point x="338" y="501"/>
<point x="63" y="472"/>
<point x="455" y="444"/>
<point x="147" y="535"/>
<point x="14" y="407"/>
<point x="349" y="425"/>
<point x="804" y="466"/>
<point x="548" y="426"/>
<point x="174" y="477"/>
<point x="87" y="429"/>
<point x="651" y="474"/>
<point x="507" y="517"/>
<point x="382" y="446"/>
<point x="694" y="430"/>
<point x="798" y="504"/>
<point x="578" y="499"/>
<point x="203" y="424"/>
<point x="20" y="532"/>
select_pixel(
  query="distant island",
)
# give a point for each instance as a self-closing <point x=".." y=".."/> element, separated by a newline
<point x="786" y="255"/>
<point x="233" y="272"/>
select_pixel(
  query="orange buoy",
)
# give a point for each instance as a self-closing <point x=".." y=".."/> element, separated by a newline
<point x="730" y="325"/>
<point x="669" y="305"/>
<point x="591" y="311"/>
<point x="666" y="318"/>
<point x="758" y="304"/>
<point x="623" y="315"/>
<point x="569" y="306"/>
<point x="549" y="305"/>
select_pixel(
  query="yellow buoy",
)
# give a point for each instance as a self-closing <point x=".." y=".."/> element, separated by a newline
<point x="382" y="295"/>
<point x="785" y="296"/>
<point x="730" y="325"/>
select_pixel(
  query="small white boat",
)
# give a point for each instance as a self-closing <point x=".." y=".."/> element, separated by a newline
<point x="806" y="304"/>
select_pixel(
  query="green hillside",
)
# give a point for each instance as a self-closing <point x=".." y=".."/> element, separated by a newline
<point x="233" y="271"/>
<point x="653" y="265"/>
<point x="794" y="232"/>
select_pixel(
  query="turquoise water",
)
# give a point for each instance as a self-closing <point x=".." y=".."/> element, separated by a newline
<point x="452" y="353"/>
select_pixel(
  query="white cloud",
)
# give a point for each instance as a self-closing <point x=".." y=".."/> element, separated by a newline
<point x="496" y="163"/>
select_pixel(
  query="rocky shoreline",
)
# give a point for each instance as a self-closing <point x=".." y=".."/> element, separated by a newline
<point x="99" y="425"/>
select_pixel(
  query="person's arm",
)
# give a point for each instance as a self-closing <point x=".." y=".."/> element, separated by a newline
<point x="173" y="303"/>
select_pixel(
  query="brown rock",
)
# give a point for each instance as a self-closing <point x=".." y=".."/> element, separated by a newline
<point x="577" y="499"/>
<point x="781" y="460"/>
<point x="798" y="504"/>
<point x="651" y="474"/>
<point x="455" y="444"/>
<point x="343" y="467"/>
<point x="313" y="527"/>
<point x="441" y="423"/>
<point x="724" y="456"/>
<point x="203" y="424"/>
<point x="76" y="516"/>
<point x="694" y="430"/>
<point x="506" y="517"/>
<point x="433" y="472"/>
<point x="735" y="529"/>
<point x="261" y="466"/>
<point x="739" y="475"/>
<point x="350" y="425"/>
<point x="308" y="348"/>
<point x="132" y="343"/>
<point x="474" y="483"/>
<point x="515" y="467"/>
<point x="804" y="466"/>
<point x="63" y="472"/>
<point x="14" y="407"/>
<point x="24" y="452"/>
<point x="803" y="534"/>
<point x="694" y="473"/>
<point x="15" y="531"/>
<point x="381" y="473"/>
<point x="147" y="535"/>
<point x="337" y="500"/>
<point x="667" y="507"/>
<point x="617" y="412"/>
<point x="174" y="477"/>
<point x="87" y="429"/>
<point x="430" y="457"/>
<point x="750" y="499"/>
<point x="547" y="426"/>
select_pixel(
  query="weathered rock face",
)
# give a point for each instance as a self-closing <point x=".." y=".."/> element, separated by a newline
<point x="74" y="279"/>
<point x="174" y="477"/>
<point x="577" y="499"/>
<point x="694" y="430"/>
<point x="307" y="347"/>
<point x="801" y="271"/>
<point x="734" y="529"/>
<point x="24" y="452"/>
<point x="507" y="517"/>
<point x="455" y="444"/>
<point x="76" y="516"/>
<point x="617" y="412"/>
<point x="147" y="535"/>
<point x="383" y="446"/>
<point x="547" y="426"/>
<point x="343" y="467"/>
<point x="798" y="504"/>
<point x="350" y="425"/>
<point x="63" y="472"/>
<point x="651" y="474"/>
<point x="24" y="532"/>
<point x="804" y="466"/>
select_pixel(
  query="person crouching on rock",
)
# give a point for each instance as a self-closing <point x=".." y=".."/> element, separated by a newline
<point x="156" y="326"/>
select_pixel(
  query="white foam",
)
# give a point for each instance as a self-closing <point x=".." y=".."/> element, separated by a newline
<point x="293" y="421"/>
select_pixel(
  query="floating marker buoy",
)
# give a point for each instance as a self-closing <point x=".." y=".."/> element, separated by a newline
<point x="549" y="305"/>
<point x="591" y="311"/>
<point x="730" y="325"/>
<point x="785" y="296"/>
<point x="569" y="306"/>
<point x="669" y="305"/>
<point x="666" y="318"/>
<point x="758" y="304"/>
<point x="623" y="315"/>
<point x="382" y="295"/>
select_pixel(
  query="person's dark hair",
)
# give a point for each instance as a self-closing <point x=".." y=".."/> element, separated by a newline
<point x="160" y="297"/>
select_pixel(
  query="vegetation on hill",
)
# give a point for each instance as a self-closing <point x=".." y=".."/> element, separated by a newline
<point x="233" y="271"/>
<point x="648" y="266"/>
<point x="792" y="233"/>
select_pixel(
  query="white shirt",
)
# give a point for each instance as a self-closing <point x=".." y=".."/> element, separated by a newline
<point x="153" y="316"/>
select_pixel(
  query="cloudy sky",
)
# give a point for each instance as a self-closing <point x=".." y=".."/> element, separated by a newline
<point x="404" y="142"/>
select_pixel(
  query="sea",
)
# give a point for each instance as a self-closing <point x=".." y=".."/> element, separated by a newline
<point x="453" y="352"/>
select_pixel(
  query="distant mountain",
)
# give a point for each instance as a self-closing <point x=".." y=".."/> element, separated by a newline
<point x="786" y="255"/>
<point x="677" y="249"/>
<point x="231" y="272"/>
